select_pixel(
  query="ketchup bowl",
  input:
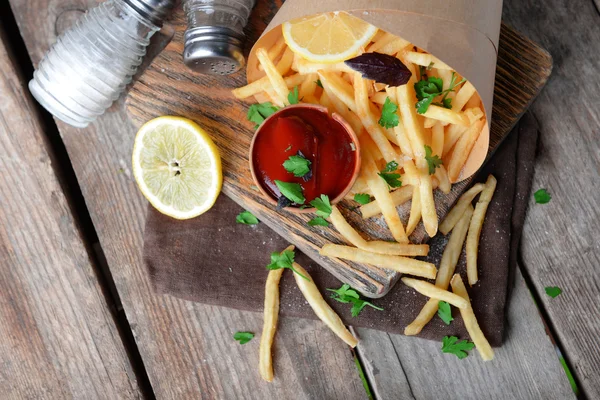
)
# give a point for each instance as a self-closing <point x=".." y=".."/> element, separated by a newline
<point x="309" y="132"/>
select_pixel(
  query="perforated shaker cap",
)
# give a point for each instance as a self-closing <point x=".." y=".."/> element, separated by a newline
<point x="213" y="50"/>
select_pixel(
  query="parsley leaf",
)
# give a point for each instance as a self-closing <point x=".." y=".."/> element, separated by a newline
<point x="542" y="196"/>
<point x="392" y="179"/>
<point x="297" y="165"/>
<point x="257" y="113"/>
<point x="285" y="259"/>
<point x="322" y="205"/>
<point x="433" y="162"/>
<point x="291" y="191"/>
<point x="389" y="117"/>
<point x="246" y="218"/>
<point x="318" y="221"/>
<point x="345" y="294"/>
<point x="362" y="198"/>
<point x="445" y="312"/>
<point x="451" y="345"/>
<point x="293" y="96"/>
<point x="243" y="337"/>
<point x="553" y="291"/>
<point x="430" y="87"/>
<point x="319" y="84"/>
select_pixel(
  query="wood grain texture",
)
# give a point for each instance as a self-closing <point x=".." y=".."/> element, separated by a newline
<point x="525" y="367"/>
<point x="560" y="240"/>
<point x="168" y="87"/>
<point x="58" y="338"/>
<point x="187" y="348"/>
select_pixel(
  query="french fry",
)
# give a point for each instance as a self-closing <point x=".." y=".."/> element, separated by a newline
<point x="274" y="76"/>
<point x="415" y="211"/>
<point x="383" y="40"/>
<point x="434" y="292"/>
<point x="271" y="315"/>
<point x="428" y="213"/>
<point x="475" y="228"/>
<point x="376" y="246"/>
<point x="306" y="67"/>
<point x="263" y="83"/>
<point x="396" y="263"/>
<point x="437" y="139"/>
<point x="338" y="87"/>
<point x="395" y="46"/>
<point x="379" y="189"/>
<point x="378" y="35"/>
<point x="463" y="95"/>
<point x="413" y="126"/>
<point x="360" y="185"/>
<point x="481" y="343"/>
<point x="399" y="196"/>
<point x="309" y="98"/>
<point x="369" y="122"/>
<point x="459" y="208"/>
<point x="446" y="115"/>
<point x="443" y="181"/>
<point x="379" y="86"/>
<point x="321" y="308"/>
<point x="309" y="86"/>
<point x="401" y="138"/>
<point x="274" y="51"/>
<point x="326" y="101"/>
<point x="425" y="60"/>
<point x="411" y="173"/>
<point x="474" y="101"/>
<point x="430" y="122"/>
<point x="379" y="97"/>
<point x="447" y="267"/>
<point x="462" y="149"/>
<point x="453" y="133"/>
<point x="285" y="63"/>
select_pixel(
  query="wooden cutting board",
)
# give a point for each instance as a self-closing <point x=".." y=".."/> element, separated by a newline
<point x="168" y="87"/>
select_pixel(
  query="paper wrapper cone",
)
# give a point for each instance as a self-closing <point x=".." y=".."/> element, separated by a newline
<point x="463" y="34"/>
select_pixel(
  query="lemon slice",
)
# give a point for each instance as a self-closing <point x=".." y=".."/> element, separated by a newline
<point x="177" y="167"/>
<point x="329" y="37"/>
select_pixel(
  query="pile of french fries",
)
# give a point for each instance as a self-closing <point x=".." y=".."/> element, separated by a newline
<point x="450" y="133"/>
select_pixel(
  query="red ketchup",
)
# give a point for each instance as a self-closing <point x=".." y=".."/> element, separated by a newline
<point x="320" y="138"/>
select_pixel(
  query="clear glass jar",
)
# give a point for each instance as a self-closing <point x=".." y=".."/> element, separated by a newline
<point x="90" y="64"/>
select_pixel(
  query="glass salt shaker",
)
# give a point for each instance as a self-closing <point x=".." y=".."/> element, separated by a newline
<point x="90" y="64"/>
<point x="215" y="34"/>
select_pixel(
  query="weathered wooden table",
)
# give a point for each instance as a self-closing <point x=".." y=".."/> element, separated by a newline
<point x="78" y="318"/>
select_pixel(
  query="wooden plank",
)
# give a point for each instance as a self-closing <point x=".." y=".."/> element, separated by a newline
<point x="165" y="89"/>
<point x="58" y="337"/>
<point x="525" y="367"/>
<point x="560" y="239"/>
<point x="186" y="347"/>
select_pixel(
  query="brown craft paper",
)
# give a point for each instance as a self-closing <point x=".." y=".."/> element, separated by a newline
<point x="463" y="34"/>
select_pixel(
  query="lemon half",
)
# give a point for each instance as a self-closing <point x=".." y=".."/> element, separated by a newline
<point x="328" y="38"/>
<point x="177" y="167"/>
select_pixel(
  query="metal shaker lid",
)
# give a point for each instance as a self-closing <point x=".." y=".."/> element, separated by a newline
<point x="213" y="50"/>
<point x="154" y="10"/>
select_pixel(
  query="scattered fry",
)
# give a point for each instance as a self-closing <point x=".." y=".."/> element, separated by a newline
<point x="321" y="308"/>
<point x="397" y="263"/>
<point x="442" y="280"/>
<point x="271" y="315"/>
<point x="481" y="344"/>
<point x="430" y="290"/>
<point x="459" y="208"/>
<point x="428" y="212"/>
<point x="475" y="228"/>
